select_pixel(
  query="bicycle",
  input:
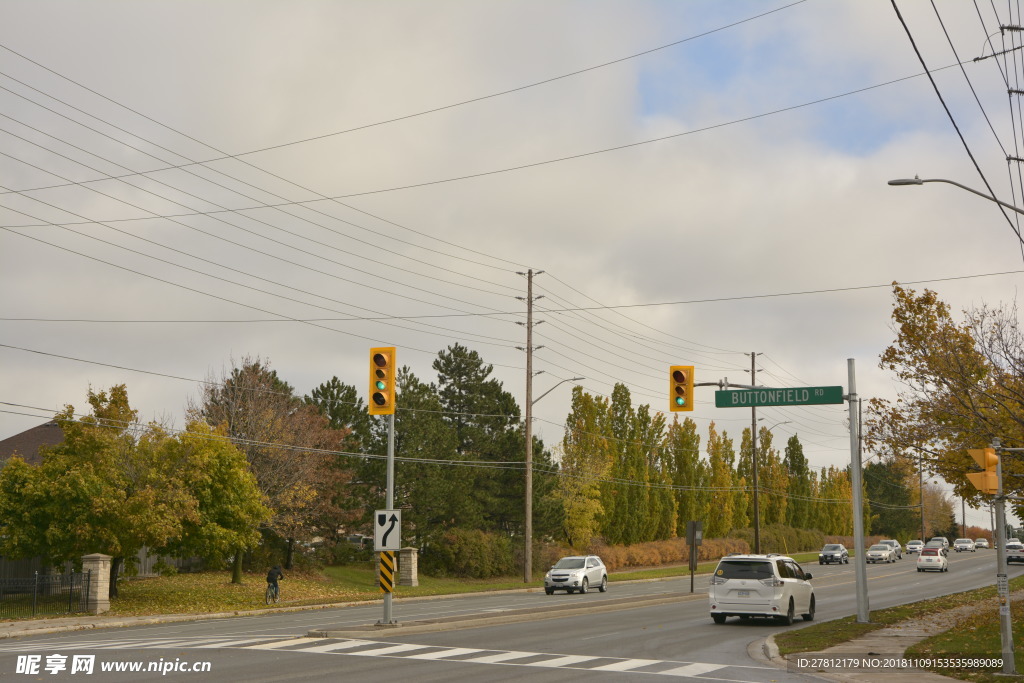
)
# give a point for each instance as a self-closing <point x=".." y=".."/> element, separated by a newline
<point x="271" y="596"/>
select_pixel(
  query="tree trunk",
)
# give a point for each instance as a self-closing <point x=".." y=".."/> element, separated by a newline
<point x="115" y="569"/>
<point x="288" y="556"/>
<point x="236" y="569"/>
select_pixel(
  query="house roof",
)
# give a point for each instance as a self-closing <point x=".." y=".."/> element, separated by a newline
<point x="28" y="443"/>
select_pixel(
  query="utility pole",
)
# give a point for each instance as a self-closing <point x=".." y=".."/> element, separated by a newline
<point x="860" y="566"/>
<point x="753" y="457"/>
<point x="1002" y="582"/>
<point x="528" y="429"/>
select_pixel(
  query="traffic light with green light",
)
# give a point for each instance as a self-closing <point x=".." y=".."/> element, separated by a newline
<point x="988" y="480"/>
<point x="680" y="388"/>
<point x="382" y="381"/>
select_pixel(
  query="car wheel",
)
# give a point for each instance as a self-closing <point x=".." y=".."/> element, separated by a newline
<point x="570" y="591"/>
<point x="919" y="569"/>
<point x="790" y="615"/>
<point x="719" y="618"/>
<point x="585" y="586"/>
<point x="810" y="615"/>
<point x="846" y="561"/>
<point x="604" y="584"/>
<point x="549" y="591"/>
<point x="820" y="563"/>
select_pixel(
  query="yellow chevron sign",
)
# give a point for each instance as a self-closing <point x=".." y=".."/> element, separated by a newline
<point x="387" y="572"/>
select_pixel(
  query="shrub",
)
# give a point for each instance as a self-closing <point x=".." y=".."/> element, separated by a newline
<point x="779" y="538"/>
<point x="470" y="553"/>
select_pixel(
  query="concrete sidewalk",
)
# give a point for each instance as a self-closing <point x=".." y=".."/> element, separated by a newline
<point x="885" y="644"/>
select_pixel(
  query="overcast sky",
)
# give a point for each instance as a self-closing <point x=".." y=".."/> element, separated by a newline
<point x="301" y="181"/>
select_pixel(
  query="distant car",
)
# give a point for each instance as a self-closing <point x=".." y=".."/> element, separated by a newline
<point x="915" y="546"/>
<point x="937" y="544"/>
<point x="772" y="586"/>
<point x="880" y="553"/>
<point x="942" y="539"/>
<point x="963" y="545"/>
<point x="896" y="547"/>
<point x="834" y="552"/>
<point x="981" y="543"/>
<point x="1014" y="551"/>
<point x="932" y="559"/>
<point x="576" y="573"/>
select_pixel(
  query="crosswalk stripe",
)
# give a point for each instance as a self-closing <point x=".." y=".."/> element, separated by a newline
<point x="450" y="652"/>
<point x="284" y="643"/>
<point x="567" y="660"/>
<point x="626" y="665"/>
<point x="394" y="649"/>
<point x="233" y="643"/>
<point x="499" y="657"/>
<point x="332" y="647"/>
<point x="695" y="669"/>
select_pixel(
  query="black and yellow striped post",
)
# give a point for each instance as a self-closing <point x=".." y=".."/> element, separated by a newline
<point x="387" y="572"/>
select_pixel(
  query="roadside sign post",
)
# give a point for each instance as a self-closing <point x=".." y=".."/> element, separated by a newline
<point x="694" y="537"/>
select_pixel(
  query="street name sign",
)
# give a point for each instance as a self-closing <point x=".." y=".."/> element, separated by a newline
<point x="387" y="530"/>
<point x="798" y="396"/>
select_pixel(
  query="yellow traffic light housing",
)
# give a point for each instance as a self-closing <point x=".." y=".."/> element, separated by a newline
<point x="680" y="388"/>
<point x="382" y="381"/>
<point x="987" y="481"/>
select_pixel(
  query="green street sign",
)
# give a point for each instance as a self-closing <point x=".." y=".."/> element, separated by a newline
<point x="798" y="396"/>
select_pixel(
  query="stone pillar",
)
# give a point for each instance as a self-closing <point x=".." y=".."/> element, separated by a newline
<point x="98" y="566"/>
<point x="408" y="569"/>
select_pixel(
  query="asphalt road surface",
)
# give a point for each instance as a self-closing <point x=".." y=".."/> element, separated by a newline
<point x="635" y="631"/>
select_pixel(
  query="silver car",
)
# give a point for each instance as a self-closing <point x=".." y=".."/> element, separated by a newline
<point x="880" y="553"/>
<point x="576" y="573"/>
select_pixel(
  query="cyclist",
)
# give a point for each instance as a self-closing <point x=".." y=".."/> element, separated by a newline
<point x="272" y="577"/>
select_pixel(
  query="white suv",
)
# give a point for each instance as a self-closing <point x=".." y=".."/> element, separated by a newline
<point x="760" y="586"/>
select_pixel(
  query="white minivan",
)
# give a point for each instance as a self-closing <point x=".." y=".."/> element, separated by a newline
<point x="760" y="586"/>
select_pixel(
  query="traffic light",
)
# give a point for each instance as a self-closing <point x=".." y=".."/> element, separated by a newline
<point x="987" y="481"/>
<point x="680" y="388"/>
<point x="382" y="381"/>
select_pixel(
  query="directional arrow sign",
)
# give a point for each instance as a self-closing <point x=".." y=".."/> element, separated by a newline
<point x="387" y="530"/>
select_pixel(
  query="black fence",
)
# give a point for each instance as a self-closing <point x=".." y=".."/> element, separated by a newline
<point x="44" y="594"/>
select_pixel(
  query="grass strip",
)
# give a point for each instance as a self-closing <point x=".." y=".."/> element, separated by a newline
<point x="821" y="636"/>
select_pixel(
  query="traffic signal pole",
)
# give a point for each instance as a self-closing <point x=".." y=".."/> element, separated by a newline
<point x="1002" y="582"/>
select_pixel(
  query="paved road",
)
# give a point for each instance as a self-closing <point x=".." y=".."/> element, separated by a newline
<point x="670" y="636"/>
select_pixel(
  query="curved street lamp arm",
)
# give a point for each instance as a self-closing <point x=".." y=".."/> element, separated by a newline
<point x="920" y="181"/>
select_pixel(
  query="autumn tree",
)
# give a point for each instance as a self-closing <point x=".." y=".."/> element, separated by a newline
<point x="586" y="461"/>
<point x="689" y="473"/>
<point x="114" y="486"/>
<point x="962" y="386"/>
<point x="288" y="444"/>
<point x="721" y="484"/>
<point x="798" y="510"/>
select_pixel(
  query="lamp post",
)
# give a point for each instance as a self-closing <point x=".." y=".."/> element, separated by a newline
<point x="528" y="526"/>
<point x="921" y="181"/>
<point x="1005" y="621"/>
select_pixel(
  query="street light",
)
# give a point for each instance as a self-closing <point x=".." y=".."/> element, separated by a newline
<point x="528" y="526"/>
<point x="921" y="181"/>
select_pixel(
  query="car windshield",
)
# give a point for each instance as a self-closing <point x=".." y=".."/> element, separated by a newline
<point x="879" y="547"/>
<point x="915" y="543"/>
<point x="570" y="563"/>
<point x="963" y="540"/>
<point x="744" y="569"/>
<point x="833" y="546"/>
<point x="930" y="551"/>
